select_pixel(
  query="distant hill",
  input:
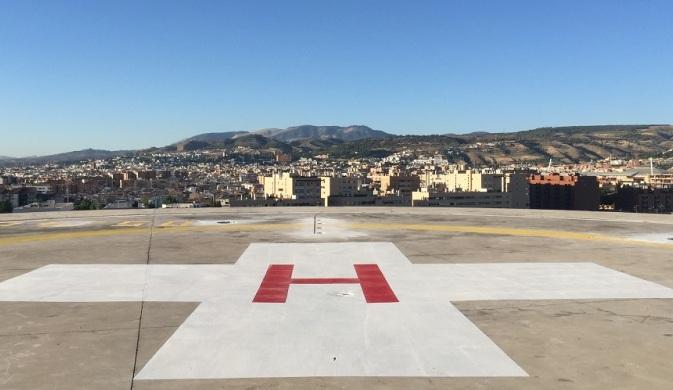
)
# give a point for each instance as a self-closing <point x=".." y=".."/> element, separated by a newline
<point x="291" y="134"/>
<point x="259" y="142"/>
<point x="310" y="132"/>
<point x="78" y="155"/>
<point x="302" y="137"/>
<point x="579" y="130"/>
<point x="270" y="132"/>
<point x="229" y="140"/>
<point x="562" y="144"/>
<point x="214" y="137"/>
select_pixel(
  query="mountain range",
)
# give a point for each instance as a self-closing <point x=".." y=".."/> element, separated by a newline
<point x="291" y="134"/>
<point x="562" y="144"/>
<point x="569" y="144"/>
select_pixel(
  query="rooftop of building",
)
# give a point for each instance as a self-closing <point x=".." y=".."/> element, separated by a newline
<point x="595" y="340"/>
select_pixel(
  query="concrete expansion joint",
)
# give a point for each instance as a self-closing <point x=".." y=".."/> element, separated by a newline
<point x="84" y="331"/>
<point x="142" y="303"/>
<point x="555" y="303"/>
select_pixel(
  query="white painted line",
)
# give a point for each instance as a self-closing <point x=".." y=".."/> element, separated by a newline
<point x="130" y="224"/>
<point x="216" y="222"/>
<point x="662" y="238"/>
<point x="8" y="224"/>
<point x="326" y="329"/>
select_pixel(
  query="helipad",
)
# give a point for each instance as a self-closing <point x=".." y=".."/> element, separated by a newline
<point x="335" y="298"/>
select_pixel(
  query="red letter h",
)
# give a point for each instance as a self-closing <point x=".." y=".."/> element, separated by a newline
<point x="276" y="283"/>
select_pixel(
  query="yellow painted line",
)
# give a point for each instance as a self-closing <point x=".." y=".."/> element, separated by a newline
<point x="478" y="230"/>
<point x="22" y="239"/>
<point x="130" y="224"/>
<point x="8" y="224"/>
<point x="73" y="235"/>
<point x="492" y="230"/>
<point x="175" y="223"/>
<point x="505" y="231"/>
<point x="51" y="224"/>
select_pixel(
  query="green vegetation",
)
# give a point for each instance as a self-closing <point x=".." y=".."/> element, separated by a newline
<point x="211" y="203"/>
<point x="169" y="199"/>
<point x="148" y="203"/>
<point x="6" y="206"/>
<point x="87" y="204"/>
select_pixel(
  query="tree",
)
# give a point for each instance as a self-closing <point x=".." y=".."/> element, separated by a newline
<point x="86" y="204"/>
<point x="6" y="206"/>
<point x="211" y="202"/>
<point x="169" y="199"/>
<point x="148" y="203"/>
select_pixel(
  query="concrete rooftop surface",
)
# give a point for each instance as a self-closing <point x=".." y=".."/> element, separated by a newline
<point x="354" y="298"/>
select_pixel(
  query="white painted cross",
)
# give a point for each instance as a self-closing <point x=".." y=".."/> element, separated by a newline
<point x="326" y="329"/>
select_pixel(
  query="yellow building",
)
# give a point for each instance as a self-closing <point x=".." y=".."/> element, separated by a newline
<point x="474" y="189"/>
<point x="402" y="185"/>
<point x="340" y="186"/>
<point x="473" y="181"/>
<point x="287" y="186"/>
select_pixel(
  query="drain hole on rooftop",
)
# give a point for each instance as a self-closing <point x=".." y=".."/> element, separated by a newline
<point x="344" y="294"/>
<point x="225" y="222"/>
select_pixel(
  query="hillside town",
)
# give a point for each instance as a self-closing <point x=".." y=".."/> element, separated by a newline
<point x="212" y="178"/>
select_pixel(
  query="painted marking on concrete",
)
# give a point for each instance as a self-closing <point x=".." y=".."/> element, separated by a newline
<point x="73" y="235"/>
<point x="131" y="223"/>
<point x="275" y="285"/>
<point x="217" y="222"/>
<point x="175" y="224"/>
<point x="278" y="278"/>
<point x="63" y="224"/>
<point x="319" y="227"/>
<point x="374" y="285"/>
<point x="9" y="224"/>
<point x="660" y="238"/>
<point x="507" y="231"/>
<point x="495" y="230"/>
<point x="229" y="336"/>
<point x="341" y="230"/>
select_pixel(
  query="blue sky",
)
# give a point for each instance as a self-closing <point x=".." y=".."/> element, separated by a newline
<point x="132" y="74"/>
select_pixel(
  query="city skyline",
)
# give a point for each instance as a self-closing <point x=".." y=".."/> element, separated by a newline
<point x="131" y="76"/>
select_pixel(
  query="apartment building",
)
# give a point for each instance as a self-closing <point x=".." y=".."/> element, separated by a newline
<point x="473" y="181"/>
<point x="461" y="199"/>
<point x="644" y="200"/>
<point x="474" y="189"/>
<point x="399" y="185"/>
<point x="288" y="186"/>
<point x="341" y="190"/>
<point x="564" y="192"/>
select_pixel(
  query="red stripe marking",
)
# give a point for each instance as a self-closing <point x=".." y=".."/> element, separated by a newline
<point x="275" y="285"/>
<point x="374" y="285"/>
